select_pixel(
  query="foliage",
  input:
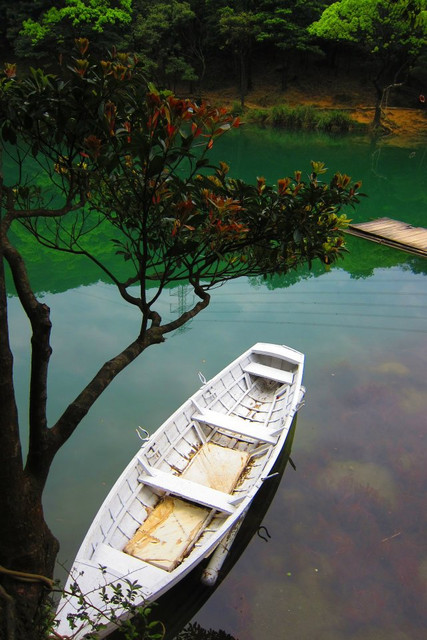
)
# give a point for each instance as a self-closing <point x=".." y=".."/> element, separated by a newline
<point x="306" y="117"/>
<point x="135" y="154"/>
<point x="12" y="16"/>
<point x="182" y="39"/>
<point x="117" y="596"/>
<point x="239" y="29"/>
<point x="381" y="24"/>
<point x="194" y="631"/>
<point x="335" y="121"/>
<point x="162" y="33"/>
<point x="393" y="34"/>
<point x="73" y="18"/>
<point x="285" y="25"/>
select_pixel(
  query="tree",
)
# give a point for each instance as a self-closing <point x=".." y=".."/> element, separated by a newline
<point x="284" y="23"/>
<point x="12" y="16"/>
<point x="122" y="156"/>
<point x="392" y="33"/>
<point x="162" y="33"/>
<point x="239" y="27"/>
<point x="53" y="29"/>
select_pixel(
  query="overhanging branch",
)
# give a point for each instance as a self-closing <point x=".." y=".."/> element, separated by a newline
<point x="78" y="409"/>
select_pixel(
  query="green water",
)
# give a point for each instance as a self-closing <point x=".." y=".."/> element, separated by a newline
<point x="347" y="557"/>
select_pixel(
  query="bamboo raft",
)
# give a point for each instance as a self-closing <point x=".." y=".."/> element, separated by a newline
<point x="393" y="233"/>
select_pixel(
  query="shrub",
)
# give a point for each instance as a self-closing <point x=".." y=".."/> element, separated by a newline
<point x="237" y="109"/>
<point x="260" y="117"/>
<point x="306" y="117"/>
<point x="334" y="121"/>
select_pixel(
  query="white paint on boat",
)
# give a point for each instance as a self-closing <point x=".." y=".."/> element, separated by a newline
<point x="190" y="484"/>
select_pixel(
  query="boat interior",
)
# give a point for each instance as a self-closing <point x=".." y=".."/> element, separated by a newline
<point x="202" y="463"/>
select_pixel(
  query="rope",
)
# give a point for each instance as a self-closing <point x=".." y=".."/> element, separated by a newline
<point x="28" y="577"/>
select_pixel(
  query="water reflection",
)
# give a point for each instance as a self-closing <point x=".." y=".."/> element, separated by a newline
<point x="348" y="558"/>
<point x="393" y="177"/>
<point x="352" y="517"/>
<point x="351" y="561"/>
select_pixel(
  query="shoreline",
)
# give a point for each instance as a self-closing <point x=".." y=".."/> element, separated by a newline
<point x="405" y="124"/>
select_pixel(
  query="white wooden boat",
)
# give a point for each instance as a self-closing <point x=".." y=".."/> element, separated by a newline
<point x="189" y="484"/>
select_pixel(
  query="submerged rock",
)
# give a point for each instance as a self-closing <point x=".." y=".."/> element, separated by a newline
<point x="365" y="474"/>
<point x="392" y="368"/>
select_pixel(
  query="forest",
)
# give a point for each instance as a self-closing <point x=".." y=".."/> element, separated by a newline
<point x="195" y="46"/>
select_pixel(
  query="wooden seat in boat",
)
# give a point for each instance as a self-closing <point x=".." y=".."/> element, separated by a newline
<point x="123" y="563"/>
<point x="179" y="486"/>
<point x="272" y="373"/>
<point x="171" y="529"/>
<point x="279" y="351"/>
<point x="239" y="426"/>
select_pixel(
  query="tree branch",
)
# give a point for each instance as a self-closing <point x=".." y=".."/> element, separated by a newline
<point x="77" y="410"/>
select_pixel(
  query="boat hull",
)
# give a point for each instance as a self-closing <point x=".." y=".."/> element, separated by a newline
<point x="198" y="473"/>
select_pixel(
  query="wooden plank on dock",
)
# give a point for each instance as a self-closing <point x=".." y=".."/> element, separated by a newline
<point x="393" y="233"/>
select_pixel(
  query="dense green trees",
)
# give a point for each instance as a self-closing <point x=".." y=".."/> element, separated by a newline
<point x="12" y="17"/>
<point x="389" y="35"/>
<point x="50" y="27"/>
<point x="285" y="25"/>
<point x="166" y="29"/>
<point x="181" y="39"/>
<point x="239" y="29"/>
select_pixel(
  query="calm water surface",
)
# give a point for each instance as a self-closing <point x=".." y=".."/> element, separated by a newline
<point x="347" y="557"/>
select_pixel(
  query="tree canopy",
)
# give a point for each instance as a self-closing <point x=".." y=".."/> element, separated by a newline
<point x="166" y="28"/>
<point x="393" y="34"/>
<point x="285" y="24"/>
<point x="192" y="43"/>
<point x="59" y="25"/>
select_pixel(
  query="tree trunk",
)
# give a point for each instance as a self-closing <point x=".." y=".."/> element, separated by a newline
<point x="284" y="73"/>
<point x="377" y="121"/>
<point x="243" y="78"/>
<point x="27" y="546"/>
<point x="26" y="543"/>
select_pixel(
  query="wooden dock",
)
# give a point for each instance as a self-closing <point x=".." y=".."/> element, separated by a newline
<point x="393" y="233"/>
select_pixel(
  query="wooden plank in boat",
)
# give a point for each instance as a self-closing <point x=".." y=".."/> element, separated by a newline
<point x="216" y="467"/>
<point x="264" y="371"/>
<point x="394" y="233"/>
<point x="278" y="350"/>
<point x="124" y="564"/>
<point x="241" y="427"/>
<point x="168" y="532"/>
<point x="188" y="490"/>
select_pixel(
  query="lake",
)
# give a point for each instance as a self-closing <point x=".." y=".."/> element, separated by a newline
<point x="347" y="554"/>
